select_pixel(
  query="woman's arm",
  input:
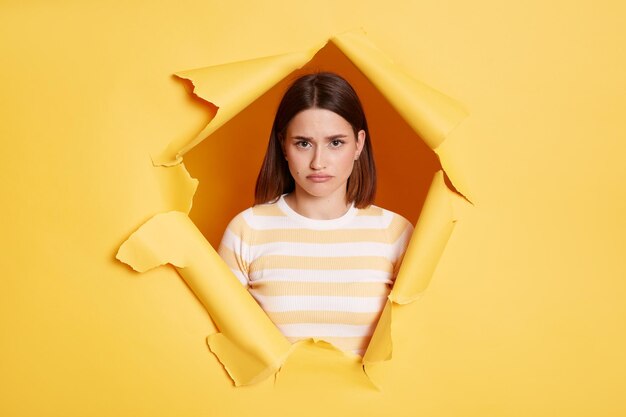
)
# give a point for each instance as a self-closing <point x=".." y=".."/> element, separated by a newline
<point x="234" y="251"/>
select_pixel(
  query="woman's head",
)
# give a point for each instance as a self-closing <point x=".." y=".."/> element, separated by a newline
<point x="316" y="104"/>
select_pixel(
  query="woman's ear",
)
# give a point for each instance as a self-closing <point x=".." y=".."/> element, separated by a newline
<point x="360" y="143"/>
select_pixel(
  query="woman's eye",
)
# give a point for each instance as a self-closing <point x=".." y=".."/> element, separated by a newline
<point x="303" y="144"/>
<point x="336" y="143"/>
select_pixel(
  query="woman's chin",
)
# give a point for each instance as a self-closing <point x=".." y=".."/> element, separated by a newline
<point x="319" y="190"/>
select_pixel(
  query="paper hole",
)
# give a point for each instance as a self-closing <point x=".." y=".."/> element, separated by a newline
<point x="227" y="163"/>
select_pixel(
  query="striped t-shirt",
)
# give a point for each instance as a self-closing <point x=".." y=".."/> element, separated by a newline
<point x="322" y="279"/>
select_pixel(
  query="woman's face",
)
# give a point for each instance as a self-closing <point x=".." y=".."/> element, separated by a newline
<point x="320" y="148"/>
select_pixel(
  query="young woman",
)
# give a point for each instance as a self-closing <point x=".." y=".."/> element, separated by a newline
<point x="314" y="251"/>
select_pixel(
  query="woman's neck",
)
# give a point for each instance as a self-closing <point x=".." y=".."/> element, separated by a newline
<point x="319" y="208"/>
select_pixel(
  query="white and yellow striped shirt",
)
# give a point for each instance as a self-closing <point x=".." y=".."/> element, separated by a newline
<point x="323" y="279"/>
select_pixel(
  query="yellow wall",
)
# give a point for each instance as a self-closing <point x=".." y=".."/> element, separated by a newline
<point x="525" y="313"/>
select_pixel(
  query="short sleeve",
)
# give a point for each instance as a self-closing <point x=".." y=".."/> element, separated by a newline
<point x="400" y="243"/>
<point x="233" y="249"/>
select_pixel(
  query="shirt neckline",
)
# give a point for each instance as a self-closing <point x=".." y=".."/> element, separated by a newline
<point x="316" y="223"/>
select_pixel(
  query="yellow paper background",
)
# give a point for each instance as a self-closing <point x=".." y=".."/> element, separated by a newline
<point x="525" y="312"/>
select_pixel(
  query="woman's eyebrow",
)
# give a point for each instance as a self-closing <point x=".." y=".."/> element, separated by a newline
<point x="338" y="136"/>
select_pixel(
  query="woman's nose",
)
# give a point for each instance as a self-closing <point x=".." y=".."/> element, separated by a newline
<point x="317" y="162"/>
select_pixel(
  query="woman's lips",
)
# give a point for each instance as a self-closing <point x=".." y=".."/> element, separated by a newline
<point x="319" y="178"/>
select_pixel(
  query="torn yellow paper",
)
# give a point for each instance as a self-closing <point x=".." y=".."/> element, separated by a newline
<point x="427" y="243"/>
<point x="431" y="114"/>
<point x="232" y="87"/>
<point x="380" y="346"/>
<point x="249" y="345"/>
<point x="451" y="156"/>
<point x="312" y="357"/>
<point x="177" y="186"/>
<point x="432" y="231"/>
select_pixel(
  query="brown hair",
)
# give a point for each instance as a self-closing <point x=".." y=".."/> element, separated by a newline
<point x="323" y="90"/>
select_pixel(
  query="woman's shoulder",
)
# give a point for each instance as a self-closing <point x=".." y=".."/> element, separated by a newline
<point x="384" y="215"/>
<point x="397" y="228"/>
<point x="255" y="216"/>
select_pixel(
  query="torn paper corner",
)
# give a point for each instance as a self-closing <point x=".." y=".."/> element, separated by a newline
<point x="184" y="77"/>
<point x="244" y="367"/>
<point x="178" y="187"/>
<point x="149" y="246"/>
<point x="184" y="188"/>
<point x="453" y="157"/>
<point x="249" y="345"/>
<point x="430" y="113"/>
<point x="167" y="157"/>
